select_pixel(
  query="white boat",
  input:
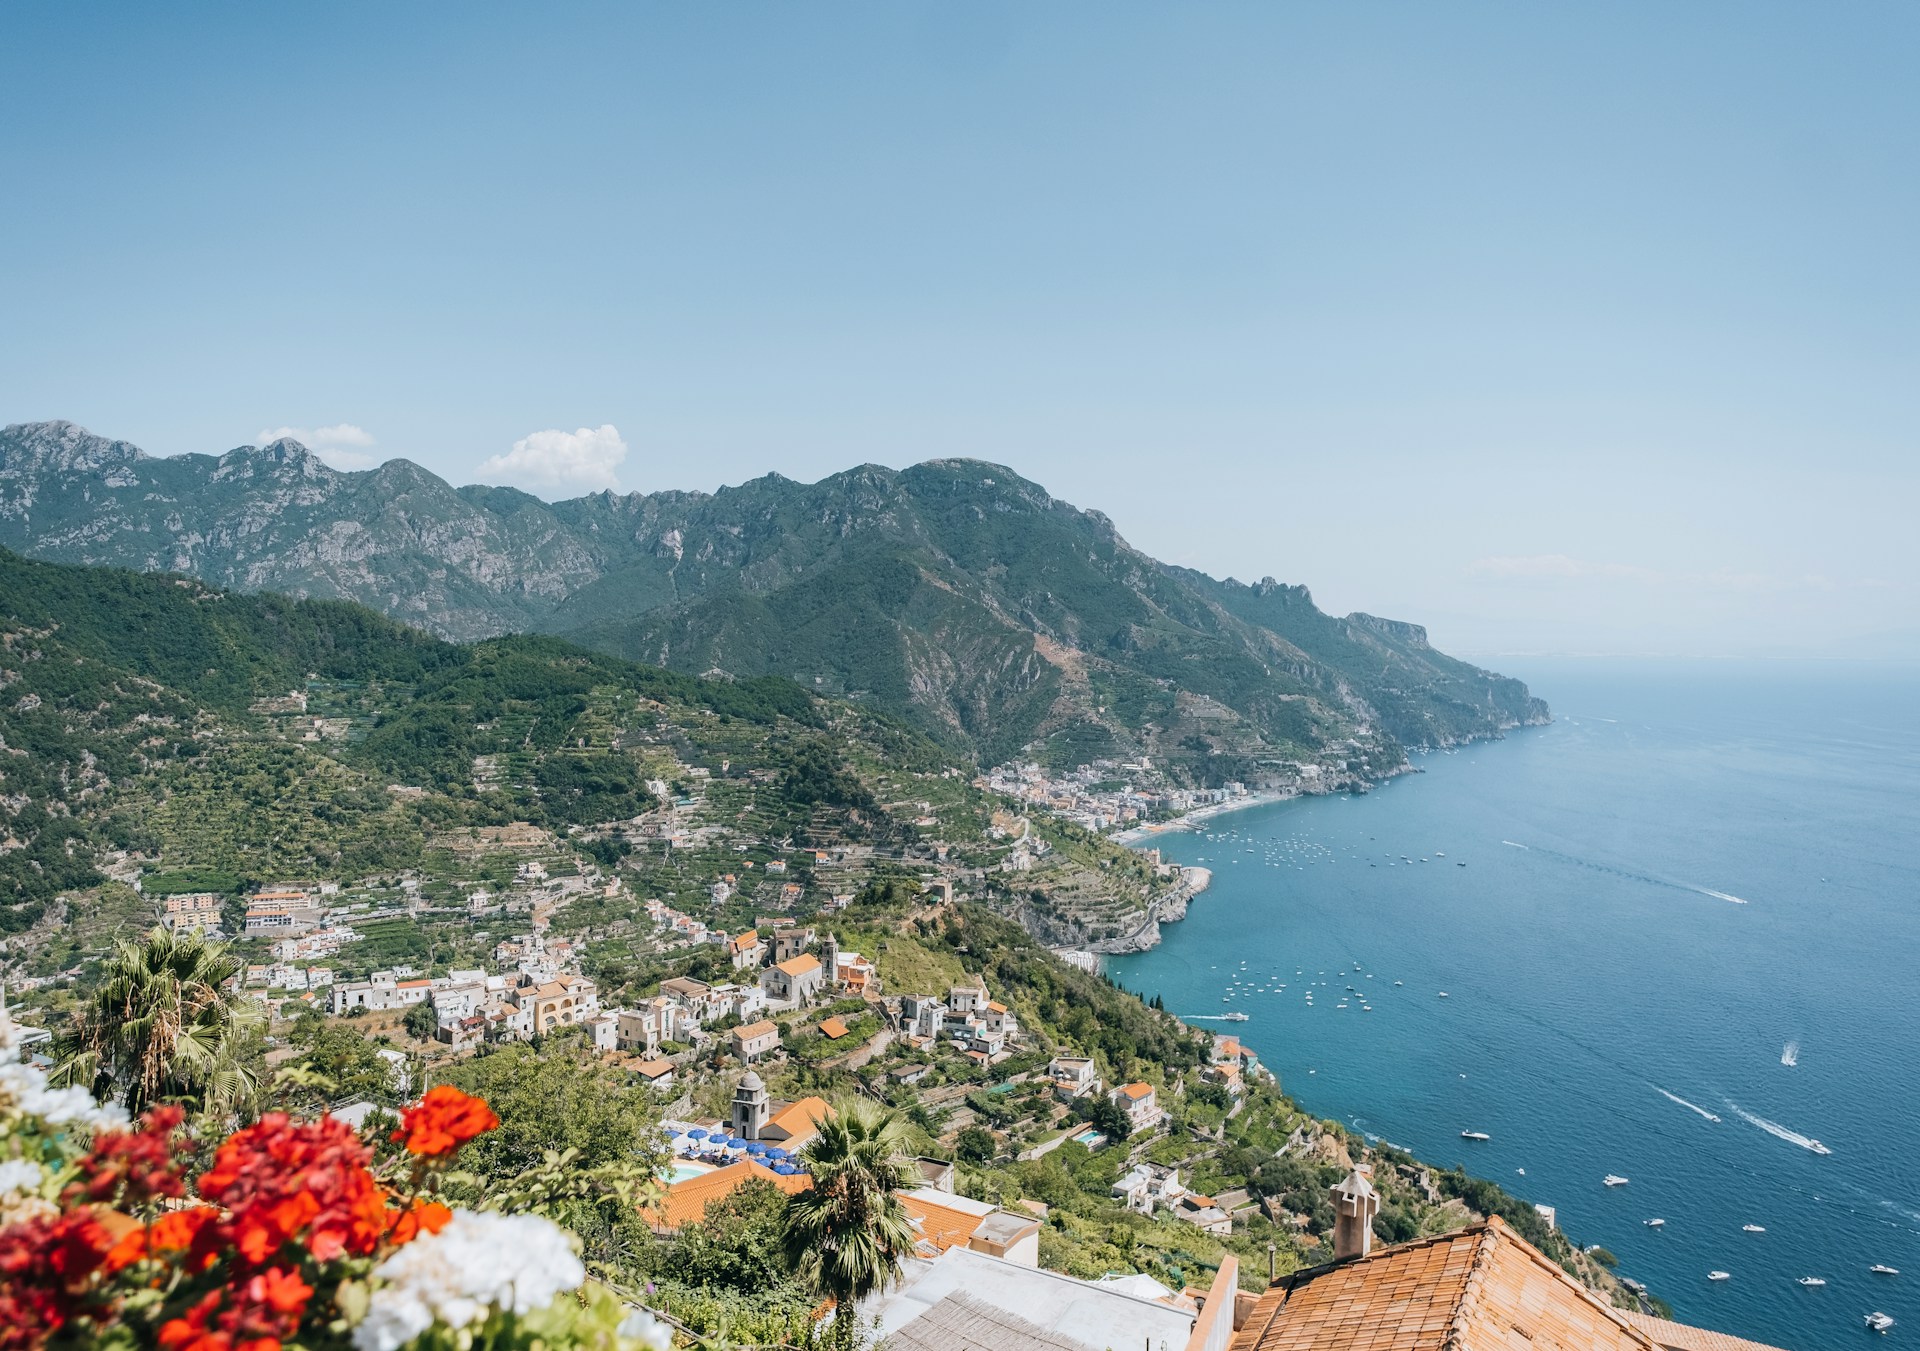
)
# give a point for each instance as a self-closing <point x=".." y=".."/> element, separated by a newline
<point x="1880" y="1270"/>
<point x="1235" y="1017"/>
<point x="1753" y="1228"/>
<point x="1811" y="1281"/>
<point x="1614" y="1180"/>
<point x="1878" y="1321"/>
<point x="1475" y="1135"/>
<point x="1443" y="994"/>
<point x="1719" y="1275"/>
<point x="1655" y="1224"/>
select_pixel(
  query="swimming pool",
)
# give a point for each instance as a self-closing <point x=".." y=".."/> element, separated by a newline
<point x="686" y="1168"/>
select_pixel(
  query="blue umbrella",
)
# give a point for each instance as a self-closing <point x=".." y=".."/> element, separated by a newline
<point x="777" y="1152"/>
<point x="755" y="1147"/>
<point x="735" y="1145"/>
<point x="785" y="1169"/>
<point x="697" y="1134"/>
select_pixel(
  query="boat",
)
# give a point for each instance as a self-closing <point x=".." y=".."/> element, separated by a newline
<point x="1655" y="1224"/>
<point x="1475" y="1135"/>
<point x="1443" y="994"/>
<point x="1719" y="1275"/>
<point x="1878" y="1321"/>
<point x="1753" y="1228"/>
<point x="1879" y="1269"/>
<point x="1811" y="1281"/>
<point x="1234" y="1017"/>
<point x="1614" y="1180"/>
<point x="1399" y="982"/>
<point x="1633" y="1285"/>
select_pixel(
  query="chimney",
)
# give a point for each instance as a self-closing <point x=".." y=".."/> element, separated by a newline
<point x="1355" y="1203"/>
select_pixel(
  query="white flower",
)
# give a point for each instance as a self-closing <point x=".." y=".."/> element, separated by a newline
<point x="478" y="1263"/>
<point x="642" y="1327"/>
<point x="26" y="1089"/>
<point x="18" y="1177"/>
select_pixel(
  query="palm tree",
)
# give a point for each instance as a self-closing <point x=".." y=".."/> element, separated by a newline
<point x="846" y="1234"/>
<point x="161" y="1027"/>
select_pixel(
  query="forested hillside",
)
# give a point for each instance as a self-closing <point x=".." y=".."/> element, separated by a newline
<point x="955" y="594"/>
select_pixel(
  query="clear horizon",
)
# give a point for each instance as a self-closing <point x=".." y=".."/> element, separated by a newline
<point x="1553" y="332"/>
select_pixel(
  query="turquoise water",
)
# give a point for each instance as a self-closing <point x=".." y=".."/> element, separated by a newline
<point x="1695" y="866"/>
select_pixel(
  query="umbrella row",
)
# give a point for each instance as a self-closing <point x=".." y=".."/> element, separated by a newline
<point x="698" y="1141"/>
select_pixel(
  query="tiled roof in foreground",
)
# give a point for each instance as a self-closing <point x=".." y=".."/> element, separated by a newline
<point x="1482" y="1288"/>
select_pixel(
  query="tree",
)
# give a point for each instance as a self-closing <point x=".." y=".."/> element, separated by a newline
<point x="737" y="1245"/>
<point x="848" y="1232"/>
<point x="161" y="1027"/>
<point x="421" y="1021"/>
<point x="336" y="1064"/>
<point x="1109" y="1117"/>
<point x="557" y="1098"/>
<point x="975" y="1144"/>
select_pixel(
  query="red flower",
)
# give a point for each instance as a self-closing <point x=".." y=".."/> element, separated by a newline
<point x="174" y="1232"/>
<point x="46" y="1265"/>
<point x="282" y="1180"/>
<point x="126" y="1168"/>
<point x="406" y="1225"/>
<point x="255" y="1315"/>
<point x="445" y="1119"/>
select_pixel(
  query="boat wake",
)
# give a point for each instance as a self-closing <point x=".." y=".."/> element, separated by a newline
<point x="1690" y="1106"/>
<point x="1778" y="1131"/>
<point x="1629" y="874"/>
<point x="1790" y="1054"/>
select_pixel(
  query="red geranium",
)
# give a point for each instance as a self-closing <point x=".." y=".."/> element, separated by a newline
<point x="126" y="1168"/>
<point x="256" y="1314"/>
<point x="406" y="1225"/>
<point x="445" y="1119"/>
<point x="45" y="1267"/>
<point x="281" y="1179"/>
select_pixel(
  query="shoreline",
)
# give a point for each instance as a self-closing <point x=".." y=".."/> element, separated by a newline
<point x="1140" y="834"/>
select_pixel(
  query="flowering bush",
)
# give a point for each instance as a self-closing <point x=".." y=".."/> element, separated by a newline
<point x="291" y="1236"/>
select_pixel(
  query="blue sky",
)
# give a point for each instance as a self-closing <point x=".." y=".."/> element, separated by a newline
<point x="1557" y="328"/>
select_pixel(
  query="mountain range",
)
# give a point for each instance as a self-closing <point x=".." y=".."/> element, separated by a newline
<point x="954" y="593"/>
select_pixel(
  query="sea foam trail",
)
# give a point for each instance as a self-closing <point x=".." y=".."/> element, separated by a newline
<point x="1628" y="873"/>
<point x="1790" y="1054"/>
<point x="1774" y="1128"/>
<point x="1690" y="1106"/>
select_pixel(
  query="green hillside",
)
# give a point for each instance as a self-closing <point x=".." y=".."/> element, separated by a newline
<point x="954" y="594"/>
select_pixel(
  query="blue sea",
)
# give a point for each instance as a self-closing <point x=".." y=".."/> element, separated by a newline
<point x="1698" y="872"/>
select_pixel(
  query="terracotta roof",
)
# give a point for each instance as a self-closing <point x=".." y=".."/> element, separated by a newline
<point x="686" y="1202"/>
<point x="1136" y="1091"/>
<point x="1680" y="1337"/>
<point x="1482" y="1288"/>
<point x="654" y="1069"/>
<point x="799" y="1118"/>
<point x="799" y="966"/>
<point x="834" y="1028"/>
<point x="940" y="1226"/>
<point x="752" y="1030"/>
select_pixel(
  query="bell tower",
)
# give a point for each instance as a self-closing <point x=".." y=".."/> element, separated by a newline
<point x="750" y="1107"/>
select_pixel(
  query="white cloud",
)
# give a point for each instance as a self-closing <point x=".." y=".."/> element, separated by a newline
<point x="343" y="445"/>
<point x="581" y="461"/>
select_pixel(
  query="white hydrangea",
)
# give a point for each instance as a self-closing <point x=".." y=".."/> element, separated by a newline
<point x="24" y="1089"/>
<point x="20" y="1177"/>
<point x="642" y="1327"/>
<point x="478" y="1263"/>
